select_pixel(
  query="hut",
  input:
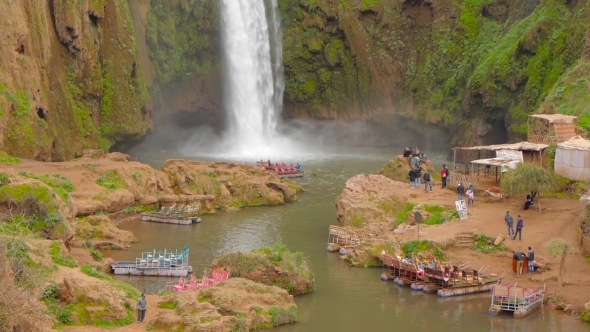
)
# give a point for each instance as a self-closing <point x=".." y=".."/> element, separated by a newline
<point x="487" y="172"/>
<point x="550" y="128"/>
<point x="572" y="159"/>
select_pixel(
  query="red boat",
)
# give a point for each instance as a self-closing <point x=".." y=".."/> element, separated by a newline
<point x="282" y="169"/>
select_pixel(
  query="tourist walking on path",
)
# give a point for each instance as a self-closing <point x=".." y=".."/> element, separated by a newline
<point x="509" y="221"/>
<point x="443" y="175"/>
<point x="427" y="181"/>
<point x="141" y="307"/>
<point x="460" y="190"/>
<point x="531" y="258"/>
<point x="519" y="257"/>
<point x="519" y="226"/>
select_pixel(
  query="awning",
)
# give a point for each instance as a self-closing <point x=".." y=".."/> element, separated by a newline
<point x="510" y="163"/>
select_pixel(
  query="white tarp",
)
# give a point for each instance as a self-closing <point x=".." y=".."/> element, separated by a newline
<point x="573" y="164"/>
<point x="510" y="155"/>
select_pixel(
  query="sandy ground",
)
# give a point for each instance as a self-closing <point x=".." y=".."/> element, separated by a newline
<point x="558" y="219"/>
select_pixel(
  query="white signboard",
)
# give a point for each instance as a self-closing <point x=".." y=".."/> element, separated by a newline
<point x="510" y="155"/>
<point x="461" y="209"/>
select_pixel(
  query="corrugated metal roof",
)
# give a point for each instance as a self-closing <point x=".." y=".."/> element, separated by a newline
<point x="555" y="118"/>
<point x="575" y="142"/>
<point x="522" y="146"/>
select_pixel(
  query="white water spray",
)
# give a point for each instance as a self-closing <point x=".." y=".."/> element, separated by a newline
<point x="254" y="76"/>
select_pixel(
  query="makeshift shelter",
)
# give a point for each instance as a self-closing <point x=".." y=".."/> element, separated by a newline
<point x="551" y="128"/>
<point x="485" y="173"/>
<point x="572" y="159"/>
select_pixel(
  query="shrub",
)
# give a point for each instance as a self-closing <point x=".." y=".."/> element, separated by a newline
<point x="110" y="180"/>
<point x="485" y="244"/>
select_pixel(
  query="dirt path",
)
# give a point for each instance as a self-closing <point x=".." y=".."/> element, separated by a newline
<point x="558" y="219"/>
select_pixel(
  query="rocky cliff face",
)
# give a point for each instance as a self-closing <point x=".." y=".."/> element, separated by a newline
<point x="479" y="66"/>
<point x="70" y="78"/>
<point x="76" y="74"/>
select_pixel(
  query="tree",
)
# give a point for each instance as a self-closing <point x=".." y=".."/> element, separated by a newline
<point x="559" y="248"/>
<point x="527" y="178"/>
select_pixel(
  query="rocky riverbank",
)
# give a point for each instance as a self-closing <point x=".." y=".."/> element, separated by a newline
<point x="380" y="212"/>
<point x="74" y="205"/>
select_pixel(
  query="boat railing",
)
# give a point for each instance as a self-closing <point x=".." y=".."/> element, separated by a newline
<point x="163" y="260"/>
<point x="516" y="298"/>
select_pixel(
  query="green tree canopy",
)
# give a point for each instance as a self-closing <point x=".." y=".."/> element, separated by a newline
<point x="527" y="178"/>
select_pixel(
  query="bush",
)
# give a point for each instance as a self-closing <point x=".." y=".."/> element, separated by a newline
<point x="485" y="244"/>
<point x="50" y="292"/>
<point x="110" y="180"/>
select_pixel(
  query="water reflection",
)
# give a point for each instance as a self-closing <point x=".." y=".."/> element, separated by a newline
<point x="347" y="299"/>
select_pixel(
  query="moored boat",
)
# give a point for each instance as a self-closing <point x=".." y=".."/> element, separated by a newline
<point x="156" y="263"/>
<point x="282" y="169"/>
<point x="521" y="301"/>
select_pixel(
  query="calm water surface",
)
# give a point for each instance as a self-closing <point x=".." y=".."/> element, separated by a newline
<point x="346" y="299"/>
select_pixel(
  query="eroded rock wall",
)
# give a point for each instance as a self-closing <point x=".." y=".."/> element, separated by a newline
<point x="70" y="78"/>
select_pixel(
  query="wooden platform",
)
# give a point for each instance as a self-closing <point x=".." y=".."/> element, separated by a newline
<point x="168" y="219"/>
<point x="291" y="175"/>
<point x="131" y="269"/>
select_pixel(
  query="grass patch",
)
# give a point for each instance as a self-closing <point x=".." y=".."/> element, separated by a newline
<point x="55" y="251"/>
<point x="136" y="209"/>
<point x="6" y="159"/>
<point x="280" y="316"/>
<point x="169" y="304"/>
<point x="130" y="291"/>
<point x="402" y="215"/>
<point x="59" y="183"/>
<point x="110" y="180"/>
<point x="485" y="244"/>
<point x="416" y="247"/>
<point x="438" y="214"/>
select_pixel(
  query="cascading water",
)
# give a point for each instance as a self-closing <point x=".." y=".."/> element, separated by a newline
<point x="254" y="75"/>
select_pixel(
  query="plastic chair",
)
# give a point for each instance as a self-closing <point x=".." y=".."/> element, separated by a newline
<point x="180" y="286"/>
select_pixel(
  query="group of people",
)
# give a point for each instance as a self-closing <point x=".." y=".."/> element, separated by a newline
<point x="282" y="167"/>
<point x="509" y="221"/>
<point x="470" y="193"/>
<point x="519" y="258"/>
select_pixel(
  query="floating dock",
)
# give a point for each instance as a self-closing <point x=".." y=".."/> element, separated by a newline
<point x="446" y="281"/>
<point x="179" y="215"/>
<point x="521" y="301"/>
<point x="153" y="263"/>
<point x="168" y="219"/>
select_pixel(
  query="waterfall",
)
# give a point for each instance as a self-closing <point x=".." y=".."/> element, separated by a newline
<point x="254" y="74"/>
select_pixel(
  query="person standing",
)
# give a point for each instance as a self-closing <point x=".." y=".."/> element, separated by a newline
<point x="141" y="308"/>
<point x="418" y="176"/>
<point x="531" y="258"/>
<point x="460" y="190"/>
<point x="412" y="175"/>
<point x="509" y="221"/>
<point x="519" y="227"/>
<point x="443" y="175"/>
<point x="470" y="196"/>
<point x="519" y="257"/>
<point x="427" y="181"/>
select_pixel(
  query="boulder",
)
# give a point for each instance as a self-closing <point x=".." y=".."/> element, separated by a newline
<point x="369" y="199"/>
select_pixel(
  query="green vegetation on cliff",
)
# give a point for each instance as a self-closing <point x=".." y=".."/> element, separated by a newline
<point x="275" y="266"/>
<point x="480" y="66"/>
<point x="179" y="36"/>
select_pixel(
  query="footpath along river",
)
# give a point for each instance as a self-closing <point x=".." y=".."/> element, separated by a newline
<point x="346" y="298"/>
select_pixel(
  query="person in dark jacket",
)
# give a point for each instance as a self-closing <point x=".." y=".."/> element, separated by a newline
<point x="412" y="175"/>
<point x="531" y="257"/>
<point x="460" y="190"/>
<point x="418" y="171"/>
<point x="427" y="181"/>
<point x="519" y="227"/>
<point x="519" y="257"/>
